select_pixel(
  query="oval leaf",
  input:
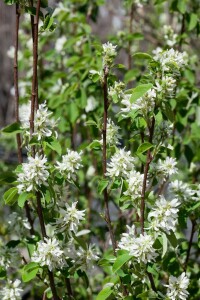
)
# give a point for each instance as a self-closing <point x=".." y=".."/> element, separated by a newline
<point x="139" y="91"/>
<point x="120" y="261"/>
<point x="10" y="196"/>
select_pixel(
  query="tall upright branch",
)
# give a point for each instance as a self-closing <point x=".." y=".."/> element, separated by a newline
<point x="16" y="87"/>
<point x="34" y="97"/>
<point x="105" y="193"/>
<point x="144" y="186"/>
<point x="130" y="32"/>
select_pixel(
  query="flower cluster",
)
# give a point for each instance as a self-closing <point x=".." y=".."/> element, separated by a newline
<point x="33" y="174"/>
<point x="162" y="132"/>
<point x="109" y="53"/>
<point x="43" y="125"/>
<point x="116" y="92"/>
<point x="11" y="291"/>
<point x="19" y="224"/>
<point x="145" y="103"/>
<point x="164" y="215"/>
<point x="166" y="86"/>
<point x="70" y="218"/>
<point x="112" y="136"/>
<point x="171" y="58"/>
<point x="181" y="190"/>
<point x="121" y="164"/>
<point x="87" y="257"/>
<point x="169" y="35"/>
<point x="50" y="254"/>
<point x="135" y="181"/>
<point x="177" y="287"/>
<point x="9" y="257"/>
<point x="140" y="247"/>
<point x="71" y="162"/>
<point x="167" y="167"/>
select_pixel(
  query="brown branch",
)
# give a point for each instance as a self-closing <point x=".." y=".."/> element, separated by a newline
<point x="105" y="116"/>
<point x="146" y="170"/>
<point x="190" y="243"/>
<point x="16" y="87"/>
<point x="130" y="42"/>
<point x="69" y="288"/>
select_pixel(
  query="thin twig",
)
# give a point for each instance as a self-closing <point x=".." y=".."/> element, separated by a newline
<point x="105" y="116"/>
<point x="34" y="97"/>
<point x="16" y="87"/>
<point x="146" y="169"/>
<point x="190" y="243"/>
<point x="69" y="288"/>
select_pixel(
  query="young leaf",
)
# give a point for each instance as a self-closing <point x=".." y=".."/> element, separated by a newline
<point x="104" y="294"/>
<point x="172" y="239"/>
<point x="102" y="185"/>
<point x="22" y="198"/>
<point x="142" y="55"/>
<point x="164" y="244"/>
<point x="29" y="271"/>
<point x="10" y="196"/>
<point x="139" y="91"/>
<point x="12" y="128"/>
<point x="120" y="261"/>
<point x="193" y="21"/>
<point x="54" y="145"/>
<point x="144" y="147"/>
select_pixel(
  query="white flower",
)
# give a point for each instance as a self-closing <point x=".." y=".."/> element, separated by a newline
<point x="113" y="136"/>
<point x="171" y="56"/>
<point x="169" y="35"/>
<point x="70" y="218"/>
<point x="91" y="104"/>
<point x="11" y="291"/>
<point x="121" y="164"/>
<point x="135" y="181"/>
<point x="33" y="174"/>
<point x="116" y="92"/>
<point x="167" y="85"/>
<point x="71" y="162"/>
<point x="18" y="224"/>
<point x="60" y="43"/>
<point x="109" y="53"/>
<point x="140" y="247"/>
<point x="24" y="114"/>
<point x="181" y="190"/>
<point x="145" y="103"/>
<point x="87" y="257"/>
<point x="177" y="287"/>
<point x="167" y="167"/>
<point x="9" y="257"/>
<point x="43" y="125"/>
<point x="49" y="254"/>
<point x="162" y="132"/>
<point x="164" y="215"/>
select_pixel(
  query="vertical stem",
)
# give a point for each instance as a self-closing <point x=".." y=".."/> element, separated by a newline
<point x="144" y="185"/>
<point x="190" y="243"/>
<point x="34" y="97"/>
<point x="69" y="289"/>
<point x="16" y="87"/>
<point x="146" y="170"/>
<point x="105" y="116"/>
<point x="129" y="43"/>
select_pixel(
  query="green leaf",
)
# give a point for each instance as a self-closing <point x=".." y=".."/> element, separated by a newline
<point x="193" y="21"/>
<point x="29" y="271"/>
<point x="54" y="144"/>
<point x="22" y="199"/>
<point x="12" y="128"/>
<point x="144" y="147"/>
<point x="7" y="177"/>
<point x="95" y="145"/>
<point x="2" y="273"/>
<point x="105" y="293"/>
<point x="10" y="196"/>
<point x="10" y="2"/>
<point x="168" y="112"/>
<point x="120" y="261"/>
<point x="181" y="5"/>
<point x="141" y="55"/>
<point x="164" y="244"/>
<point x="102" y="185"/>
<point x="44" y="3"/>
<point x="139" y="91"/>
<point x="91" y="123"/>
<point x="172" y="239"/>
